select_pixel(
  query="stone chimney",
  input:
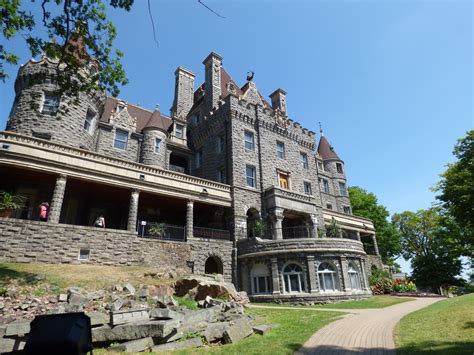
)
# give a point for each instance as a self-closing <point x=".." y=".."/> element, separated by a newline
<point x="183" y="93"/>
<point x="212" y="85"/>
<point x="279" y="100"/>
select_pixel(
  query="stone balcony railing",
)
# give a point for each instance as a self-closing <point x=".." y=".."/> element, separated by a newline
<point x="277" y="197"/>
<point x="260" y="247"/>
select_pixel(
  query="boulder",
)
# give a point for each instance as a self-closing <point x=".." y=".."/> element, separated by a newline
<point x="134" y="346"/>
<point x="165" y="313"/>
<point x="163" y="290"/>
<point x="128" y="316"/>
<point x="132" y="331"/>
<point x="165" y="301"/>
<point x="238" y="331"/>
<point x="215" y="331"/>
<point x="10" y="345"/>
<point x="95" y="295"/>
<point x="178" y="345"/>
<point x="129" y="288"/>
<point x="262" y="329"/>
<point x="98" y="318"/>
<point x="17" y="328"/>
<point x="117" y="305"/>
<point x="143" y="293"/>
<point x="77" y="299"/>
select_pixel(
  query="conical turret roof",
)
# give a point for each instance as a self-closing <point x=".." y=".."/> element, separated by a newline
<point x="326" y="150"/>
<point x="156" y="121"/>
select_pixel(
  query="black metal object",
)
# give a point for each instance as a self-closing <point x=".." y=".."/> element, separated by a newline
<point x="68" y="334"/>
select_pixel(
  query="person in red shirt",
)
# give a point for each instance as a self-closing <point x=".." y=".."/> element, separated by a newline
<point x="44" y="211"/>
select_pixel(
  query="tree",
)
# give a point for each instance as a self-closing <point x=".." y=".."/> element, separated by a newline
<point x="426" y="241"/>
<point x="365" y="204"/>
<point x="456" y="196"/>
<point x="78" y="34"/>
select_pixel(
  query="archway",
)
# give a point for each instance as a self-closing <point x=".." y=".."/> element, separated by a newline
<point x="253" y="219"/>
<point x="213" y="265"/>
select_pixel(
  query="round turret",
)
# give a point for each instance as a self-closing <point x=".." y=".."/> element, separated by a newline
<point x="153" y="150"/>
<point x="40" y="112"/>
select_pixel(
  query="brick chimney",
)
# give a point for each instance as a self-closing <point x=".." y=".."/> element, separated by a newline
<point x="279" y="100"/>
<point x="212" y="85"/>
<point x="183" y="93"/>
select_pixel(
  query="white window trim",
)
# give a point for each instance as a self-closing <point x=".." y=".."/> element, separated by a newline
<point x="266" y="275"/>
<point x="252" y="142"/>
<point x="307" y="183"/>
<point x="301" y="278"/>
<point x="335" y="278"/>
<point x="159" y="145"/>
<point x="115" y="137"/>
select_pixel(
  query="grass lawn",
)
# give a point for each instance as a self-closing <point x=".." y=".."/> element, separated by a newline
<point x="66" y="275"/>
<point x="372" y="302"/>
<point x="446" y="327"/>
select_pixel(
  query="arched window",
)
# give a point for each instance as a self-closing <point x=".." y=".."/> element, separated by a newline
<point x="260" y="279"/>
<point x="327" y="278"/>
<point x="293" y="277"/>
<point x="354" y="277"/>
<point x="253" y="220"/>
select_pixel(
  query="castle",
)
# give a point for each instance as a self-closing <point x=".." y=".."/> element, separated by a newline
<point x="226" y="184"/>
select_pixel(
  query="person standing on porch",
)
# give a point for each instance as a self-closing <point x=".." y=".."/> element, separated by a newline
<point x="43" y="211"/>
<point x="100" y="222"/>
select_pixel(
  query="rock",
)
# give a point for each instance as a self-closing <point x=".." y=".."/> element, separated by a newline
<point x="211" y="302"/>
<point x="62" y="297"/>
<point x="12" y="293"/>
<point x="178" y="345"/>
<point x="74" y="290"/>
<point x="18" y="327"/>
<point x="165" y="313"/>
<point x="95" y="295"/>
<point x="118" y="288"/>
<point x="130" y="288"/>
<point x="142" y="293"/>
<point x="165" y="301"/>
<point x="98" y="318"/>
<point x="76" y="299"/>
<point x="134" y="346"/>
<point x="3" y="328"/>
<point x="215" y="331"/>
<point x="129" y="316"/>
<point x="118" y="303"/>
<point x="39" y="277"/>
<point x="262" y="329"/>
<point x="163" y="290"/>
<point x="132" y="331"/>
<point x="240" y="330"/>
<point x="24" y="306"/>
<point x="10" y="345"/>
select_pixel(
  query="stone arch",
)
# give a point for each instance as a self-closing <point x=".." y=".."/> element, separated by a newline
<point x="213" y="265"/>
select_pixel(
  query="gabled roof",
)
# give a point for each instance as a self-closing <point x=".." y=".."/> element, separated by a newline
<point x="325" y="150"/>
<point x="144" y="117"/>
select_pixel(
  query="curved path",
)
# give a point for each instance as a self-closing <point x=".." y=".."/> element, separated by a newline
<point x="362" y="331"/>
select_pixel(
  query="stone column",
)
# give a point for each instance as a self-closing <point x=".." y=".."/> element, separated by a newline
<point x="277" y="224"/>
<point x="57" y="200"/>
<point x="133" y="211"/>
<point x="190" y="219"/>
<point x="275" y="276"/>
<point x="313" y="281"/>
<point x="376" y="247"/>
<point x="314" y="226"/>
<point x="365" y="281"/>
<point x="345" y="274"/>
<point x="358" y="236"/>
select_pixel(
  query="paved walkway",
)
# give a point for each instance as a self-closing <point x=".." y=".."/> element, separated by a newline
<point x="363" y="331"/>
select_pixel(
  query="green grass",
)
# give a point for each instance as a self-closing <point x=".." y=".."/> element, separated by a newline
<point x="445" y="327"/>
<point x="372" y="302"/>
<point x="187" y="302"/>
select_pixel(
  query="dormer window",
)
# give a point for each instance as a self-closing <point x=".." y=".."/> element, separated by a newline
<point x="120" y="108"/>
<point x="179" y="131"/>
<point x="121" y="139"/>
<point x="157" y="145"/>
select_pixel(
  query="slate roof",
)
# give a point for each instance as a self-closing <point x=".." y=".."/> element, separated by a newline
<point x="326" y="150"/>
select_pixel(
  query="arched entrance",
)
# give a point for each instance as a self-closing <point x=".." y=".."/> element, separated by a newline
<point x="213" y="265"/>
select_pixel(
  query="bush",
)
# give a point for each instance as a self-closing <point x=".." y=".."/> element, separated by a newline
<point x="403" y="286"/>
<point x="380" y="282"/>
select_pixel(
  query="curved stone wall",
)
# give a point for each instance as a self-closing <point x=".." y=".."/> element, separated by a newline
<point x="148" y="154"/>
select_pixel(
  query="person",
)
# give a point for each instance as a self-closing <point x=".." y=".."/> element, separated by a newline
<point x="100" y="221"/>
<point x="44" y="211"/>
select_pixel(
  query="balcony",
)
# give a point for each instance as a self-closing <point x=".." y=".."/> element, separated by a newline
<point x="211" y="233"/>
<point x="286" y="199"/>
<point x="298" y="232"/>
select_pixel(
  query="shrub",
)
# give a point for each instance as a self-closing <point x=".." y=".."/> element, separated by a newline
<point x="403" y="286"/>
<point x="380" y="282"/>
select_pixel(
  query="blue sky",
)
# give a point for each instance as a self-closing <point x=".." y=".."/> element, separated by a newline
<point x="391" y="81"/>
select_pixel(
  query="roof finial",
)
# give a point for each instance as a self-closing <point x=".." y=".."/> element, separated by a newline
<point x="321" y="129"/>
<point x="157" y="107"/>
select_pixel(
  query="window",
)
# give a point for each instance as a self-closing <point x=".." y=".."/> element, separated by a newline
<point x="89" y="120"/>
<point x="354" y="278"/>
<point x="327" y="276"/>
<point x="249" y="140"/>
<point x="250" y="175"/>
<point x="339" y="168"/>
<point x="307" y="188"/>
<point x="342" y="189"/>
<point x="293" y="277"/>
<point x="328" y="206"/>
<point x="198" y="158"/>
<point x="221" y="175"/>
<point x="84" y="254"/>
<point x="280" y="150"/>
<point x="304" y="160"/>
<point x="220" y="144"/>
<point x="325" y="186"/>
<point x="120" y="108"/>
<point x="179" y="131"/>
<point x="320" y="166"/>
<point x="283" y="181"/>
<point x="157" y="145"/>
<point x="347" y="209"/>
<point x="50" y="104"/>
<point x="260" y="279"/>
<point x="121" y="139"/>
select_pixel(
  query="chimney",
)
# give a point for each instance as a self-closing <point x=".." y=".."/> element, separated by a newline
<point x="183" y="93"/>
<point x="212" y="85"/>
<point x="279" y="100"/>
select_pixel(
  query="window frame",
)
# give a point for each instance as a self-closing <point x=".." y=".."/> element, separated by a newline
<point x="326" y="189"/>
<point x="250" y="142"/>
<point x="253" y="177"/>
<point x="47" y="104"/>
<point x="342" y="189"/>
<point x="118" y="130"/>
<point x="221" y="175"/>
<point x="332" y="271"/>
<point x="329" y="206"/>
<point x="179" y="128"/>
<point x="287" y="277"/>
<point x="346" y="209"/>
<point x="308" y="191"/>
<point x="280" y="144"/>
<point x="304" y="160"/>
<point x="157" y="140"/>
<point x="283" y="176"/>
<point x="339" y="168"/>
<point x="89" y="114"/>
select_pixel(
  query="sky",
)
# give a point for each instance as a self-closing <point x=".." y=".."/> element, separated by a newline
<point x="390" y="81"/>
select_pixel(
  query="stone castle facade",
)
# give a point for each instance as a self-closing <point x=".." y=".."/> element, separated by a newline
<point x="236" y="186"/>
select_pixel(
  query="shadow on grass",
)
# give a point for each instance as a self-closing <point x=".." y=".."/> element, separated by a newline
<point x="23" y="278"/>
<point x="431" y="348"/>
<point x="468" y="325"/>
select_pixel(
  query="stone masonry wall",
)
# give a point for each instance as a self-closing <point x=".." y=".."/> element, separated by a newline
<point x="148" y="155"/>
